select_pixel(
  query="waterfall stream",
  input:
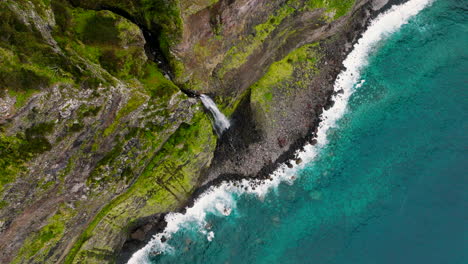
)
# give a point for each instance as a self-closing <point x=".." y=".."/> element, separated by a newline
<point x="220" y="122"/>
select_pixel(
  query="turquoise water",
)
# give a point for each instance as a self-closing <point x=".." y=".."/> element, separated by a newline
<point x="391" y="184"/>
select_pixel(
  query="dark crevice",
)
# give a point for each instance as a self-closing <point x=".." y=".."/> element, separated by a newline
<point x="152" y="47"/>
<point x="190" y="93"/>
<point x="152" y="44"/>
<point x="154" y="52"/>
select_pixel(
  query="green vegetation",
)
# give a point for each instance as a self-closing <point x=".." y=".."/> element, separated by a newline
<point x="3" y="204"/>
<point x="19" y="78"/>
<point x="166" y="179"/>
<point x="161" y="17"/>
<point x="280" y="72"/>
<point x="101" y="167"/>
<point x="16" y="150"/>
<point x="86" y="111"/>
<point x="35" y="138"/>
<point x="11" y="159"/>
<point x="39" y="245"/>
<point x="193" y="6"/>
<point x="159" y="88"/>
<point x="133" y="103"/>
<point x="109" y="40"/>
<point x="337" y="7"/>
<point x="29" y="63"/>
<point x="238" y="55"/>
<point x="106" y="39"/>
<point x="156" y="84"/>
<point x="99" y="28"/>
<point x="62" y="14"/>
<point x="228" y="105"/>
<point x="165" y="14"/>
<point x="87" y="42"/>
<point x="21" y="96"/>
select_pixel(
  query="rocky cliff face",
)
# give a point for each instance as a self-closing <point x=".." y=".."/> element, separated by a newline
<point x="97" y="137"/>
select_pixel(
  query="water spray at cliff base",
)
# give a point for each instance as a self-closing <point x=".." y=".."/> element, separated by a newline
<point x="220" y="200"/>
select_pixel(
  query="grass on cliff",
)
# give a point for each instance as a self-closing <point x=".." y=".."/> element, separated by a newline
<point x="337" y="7"/>
<point x="161" y="17"/>
<point x="193" y="6"/>
<point x="38" y="246"/>
<point x="103" y="38"/>
<point x="156" y="85"/>
<point x="133" y="103"/>
<point x="279" y="73"/>
<point x="18" y="149"/>
<point x="166" y="179"/>
<point x="29" y="62"/>
<point x="20" y="77"/>
<point x="89" y="39"/>
<point x="238" y="55"/>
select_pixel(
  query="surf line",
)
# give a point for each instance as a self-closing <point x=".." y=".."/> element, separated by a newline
<point x="221" y="200"/>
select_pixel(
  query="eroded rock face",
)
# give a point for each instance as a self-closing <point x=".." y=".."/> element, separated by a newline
<point x="96" y="141"/>
<point x="83" y="113"/>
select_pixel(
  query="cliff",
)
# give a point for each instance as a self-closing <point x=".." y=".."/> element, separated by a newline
<point x="99" y="136"/>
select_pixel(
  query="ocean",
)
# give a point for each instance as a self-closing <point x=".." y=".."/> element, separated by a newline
<point x="387" y="181"/>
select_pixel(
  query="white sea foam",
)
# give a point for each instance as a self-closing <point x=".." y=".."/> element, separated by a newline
<point x="221" y="199"/>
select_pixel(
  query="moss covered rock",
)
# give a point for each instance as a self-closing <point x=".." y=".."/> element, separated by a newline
<point x="86" y="113"/>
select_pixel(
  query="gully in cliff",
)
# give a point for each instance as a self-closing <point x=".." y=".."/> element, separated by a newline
<point x="220" y="122"/>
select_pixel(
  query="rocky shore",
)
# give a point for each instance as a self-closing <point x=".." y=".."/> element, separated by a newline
<point x="100" y="135"/>
<point x="246" y="152"/>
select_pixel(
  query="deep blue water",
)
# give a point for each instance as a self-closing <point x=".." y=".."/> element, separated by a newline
<point x="391" y="186"/>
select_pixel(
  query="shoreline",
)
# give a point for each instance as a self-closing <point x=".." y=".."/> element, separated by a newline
<point x="157" y="223"/>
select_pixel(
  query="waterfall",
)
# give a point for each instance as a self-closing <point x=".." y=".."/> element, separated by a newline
<point x="220" y="122"/>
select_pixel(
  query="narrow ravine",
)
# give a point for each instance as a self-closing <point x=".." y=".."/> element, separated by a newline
<point x="220" y="121"/>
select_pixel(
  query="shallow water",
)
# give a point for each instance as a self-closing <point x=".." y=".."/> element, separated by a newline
<point x="391" y="184"/>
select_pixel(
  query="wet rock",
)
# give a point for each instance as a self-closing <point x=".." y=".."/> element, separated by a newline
<point x="282" y="142"/>
<point x="138" y="235"/>
<point x="155" y="253"/>
<point x="147" y="227"/>
<point x="298" y="161"/>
